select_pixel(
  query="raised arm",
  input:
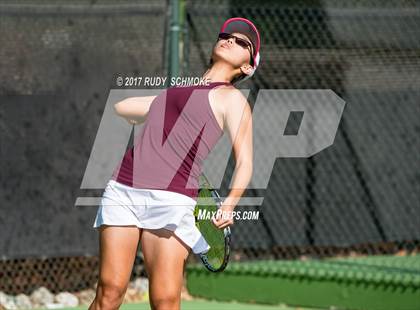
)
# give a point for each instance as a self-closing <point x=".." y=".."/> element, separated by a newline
<point x="134" y="109"/>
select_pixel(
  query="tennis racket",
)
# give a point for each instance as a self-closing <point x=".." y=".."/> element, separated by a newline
<point x="209" y="201"/>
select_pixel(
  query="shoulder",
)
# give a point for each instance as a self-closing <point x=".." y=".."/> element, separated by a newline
<point x="230" y="97"/>
<point x="228" y="90"/>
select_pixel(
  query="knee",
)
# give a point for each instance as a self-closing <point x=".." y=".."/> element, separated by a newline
<point x="169" y="301"/>
<point x="109" y="295"/>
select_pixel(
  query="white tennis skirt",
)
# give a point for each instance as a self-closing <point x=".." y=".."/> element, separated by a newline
<point x="151" y="209"/>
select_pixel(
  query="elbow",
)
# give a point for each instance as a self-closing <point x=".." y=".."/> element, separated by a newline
<point x="117" y="108"/>
<point x="122" y="106"/>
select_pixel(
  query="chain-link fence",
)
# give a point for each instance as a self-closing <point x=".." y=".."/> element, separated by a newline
<point x="359" y="196"/>
<point x="58" y="60"/>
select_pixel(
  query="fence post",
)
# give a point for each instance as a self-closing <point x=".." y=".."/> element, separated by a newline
<point x="174" y="31"/>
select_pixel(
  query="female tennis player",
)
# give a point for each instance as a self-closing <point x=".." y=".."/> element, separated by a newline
<point x="151" y="199"/>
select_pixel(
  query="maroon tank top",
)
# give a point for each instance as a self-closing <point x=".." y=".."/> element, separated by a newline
<point x="179" y="132"/>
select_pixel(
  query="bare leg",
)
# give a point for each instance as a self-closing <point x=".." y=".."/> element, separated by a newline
<point x="165" y="256"/>
<point x="118" y="247"/>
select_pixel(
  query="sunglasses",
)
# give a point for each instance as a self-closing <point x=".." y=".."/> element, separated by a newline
<point x="241" y="42"/>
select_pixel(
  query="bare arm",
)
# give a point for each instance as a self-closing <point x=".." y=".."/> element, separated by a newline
<point x="238" y="123"/>
<point x="134" y="109"/>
